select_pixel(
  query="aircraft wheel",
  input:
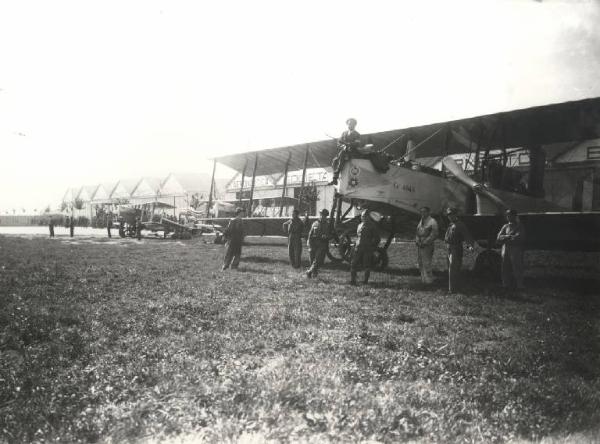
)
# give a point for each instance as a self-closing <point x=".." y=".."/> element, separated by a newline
<point x="380" y="259"/>
<point x="340" y="250"/>
<point x="488" y="265"/>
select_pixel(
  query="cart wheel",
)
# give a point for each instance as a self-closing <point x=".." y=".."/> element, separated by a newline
<point x="488" y="265"/>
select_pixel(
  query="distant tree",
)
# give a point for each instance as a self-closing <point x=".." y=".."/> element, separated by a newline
<point x="47" y="209"/>
<point x="309" y="196"/>
<point x="78" y="204"/>
<point x="63" y="206"/>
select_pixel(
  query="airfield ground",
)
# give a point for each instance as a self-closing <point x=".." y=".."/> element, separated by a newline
<point x="118" y="340"/>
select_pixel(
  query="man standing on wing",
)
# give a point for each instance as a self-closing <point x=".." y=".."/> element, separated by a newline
<point x="427" y="232"/>
<point x="349" y="144"/>
<point x="294" y="229"/>
<point x="318" y="242"/>
<point x="234" y="234"/>
<point x="511" y="236"/>
<point x="456" y="234"/>
<point x="368" y="240"/>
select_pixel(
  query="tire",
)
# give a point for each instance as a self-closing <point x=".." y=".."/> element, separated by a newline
<point x="488" y="265"/>
<point x="340" y="250"/>
<point x="380" y="259"/>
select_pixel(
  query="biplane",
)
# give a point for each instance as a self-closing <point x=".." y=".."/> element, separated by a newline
<point x="394" y="177"/>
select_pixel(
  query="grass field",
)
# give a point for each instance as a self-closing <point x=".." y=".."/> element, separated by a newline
<point x="125" y="341"/>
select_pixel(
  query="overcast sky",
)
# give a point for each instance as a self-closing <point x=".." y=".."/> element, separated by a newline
<point x="96" y="91"/>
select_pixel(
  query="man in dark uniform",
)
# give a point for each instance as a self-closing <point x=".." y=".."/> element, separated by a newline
<point x="348" y="144"/>
<point x="294" y="229"/>
<point x="72" y="226"/>
<point x="368" y="240"/>
<point x="234" y="234"/>
<point x="109" y="224"/>
<point x="456" y="234"/>
<point x="511" y="236"/>
<point x="51" y="227"/>
<point x="138" y="228"/>
<point x="121" y="226"/>
<point x="318" y="242"/>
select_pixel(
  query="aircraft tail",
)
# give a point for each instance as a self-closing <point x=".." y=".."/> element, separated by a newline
<point x="479" y="189"/>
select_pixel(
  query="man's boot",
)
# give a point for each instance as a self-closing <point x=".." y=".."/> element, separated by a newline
<point x="366" y="279"/>
<point x="353" y="278"/>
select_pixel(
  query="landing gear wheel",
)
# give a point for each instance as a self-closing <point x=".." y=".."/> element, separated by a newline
<point x="341" y="249"/>
<point x="488" y="265"/>
<point x="380" y="259"/>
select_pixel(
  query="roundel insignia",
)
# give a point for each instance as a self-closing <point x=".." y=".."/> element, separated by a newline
<point x="355" y="171"/>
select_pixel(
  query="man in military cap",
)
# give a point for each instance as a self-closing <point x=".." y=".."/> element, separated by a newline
<point x="234" y="235"/>
<point x="109" y="224"/>
<point x="138" y="228"/>
<point x="51" y="226"/>
<point x="348" y="144"/>
<point x="511" y="236"/>
<point x="456" y="234"/>
<point x="318" y="242"/>
<point x="427" y="232"/>
<point x="72" y="226"/>
<point x="294" y="229"/>
<point x="366" y="243"/>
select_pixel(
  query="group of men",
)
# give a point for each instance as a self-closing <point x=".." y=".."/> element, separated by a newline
<point x="511" y="238"/>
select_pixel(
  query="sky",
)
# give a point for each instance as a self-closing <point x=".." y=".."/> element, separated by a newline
<point x="95" y="91"/>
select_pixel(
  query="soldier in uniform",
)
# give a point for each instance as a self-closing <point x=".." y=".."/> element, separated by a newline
<point x="138" y="228"/>
<point x="427" y="232"/>
<point x="367" y="242"/>
<point x="51" y="227"/>
<point x="72" y="226"/>
<point x="234" y="234"/>
<point x="109" y="223"/>
<point x="456" y="234"/>
<point x="121" y="226"/>
<point x="318" y="241"/>
<point x="348" y="144"/>
<point x="511" y="236"/>
<point x="294" y="229"/>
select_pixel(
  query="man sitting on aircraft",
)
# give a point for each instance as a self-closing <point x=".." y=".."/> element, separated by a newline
<point x="427" y="232"/>
<point x="511" y="237"/>
<point x="349" y="144"/>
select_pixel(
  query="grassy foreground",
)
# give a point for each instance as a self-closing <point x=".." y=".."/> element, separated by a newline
<point x="125" y="341"/>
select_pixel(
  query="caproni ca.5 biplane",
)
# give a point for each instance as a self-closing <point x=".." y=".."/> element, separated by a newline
<point x="393" y="175"/>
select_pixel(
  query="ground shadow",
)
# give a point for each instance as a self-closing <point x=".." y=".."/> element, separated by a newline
<point x="245" y="269"/>
<point x="265" y="260"/>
